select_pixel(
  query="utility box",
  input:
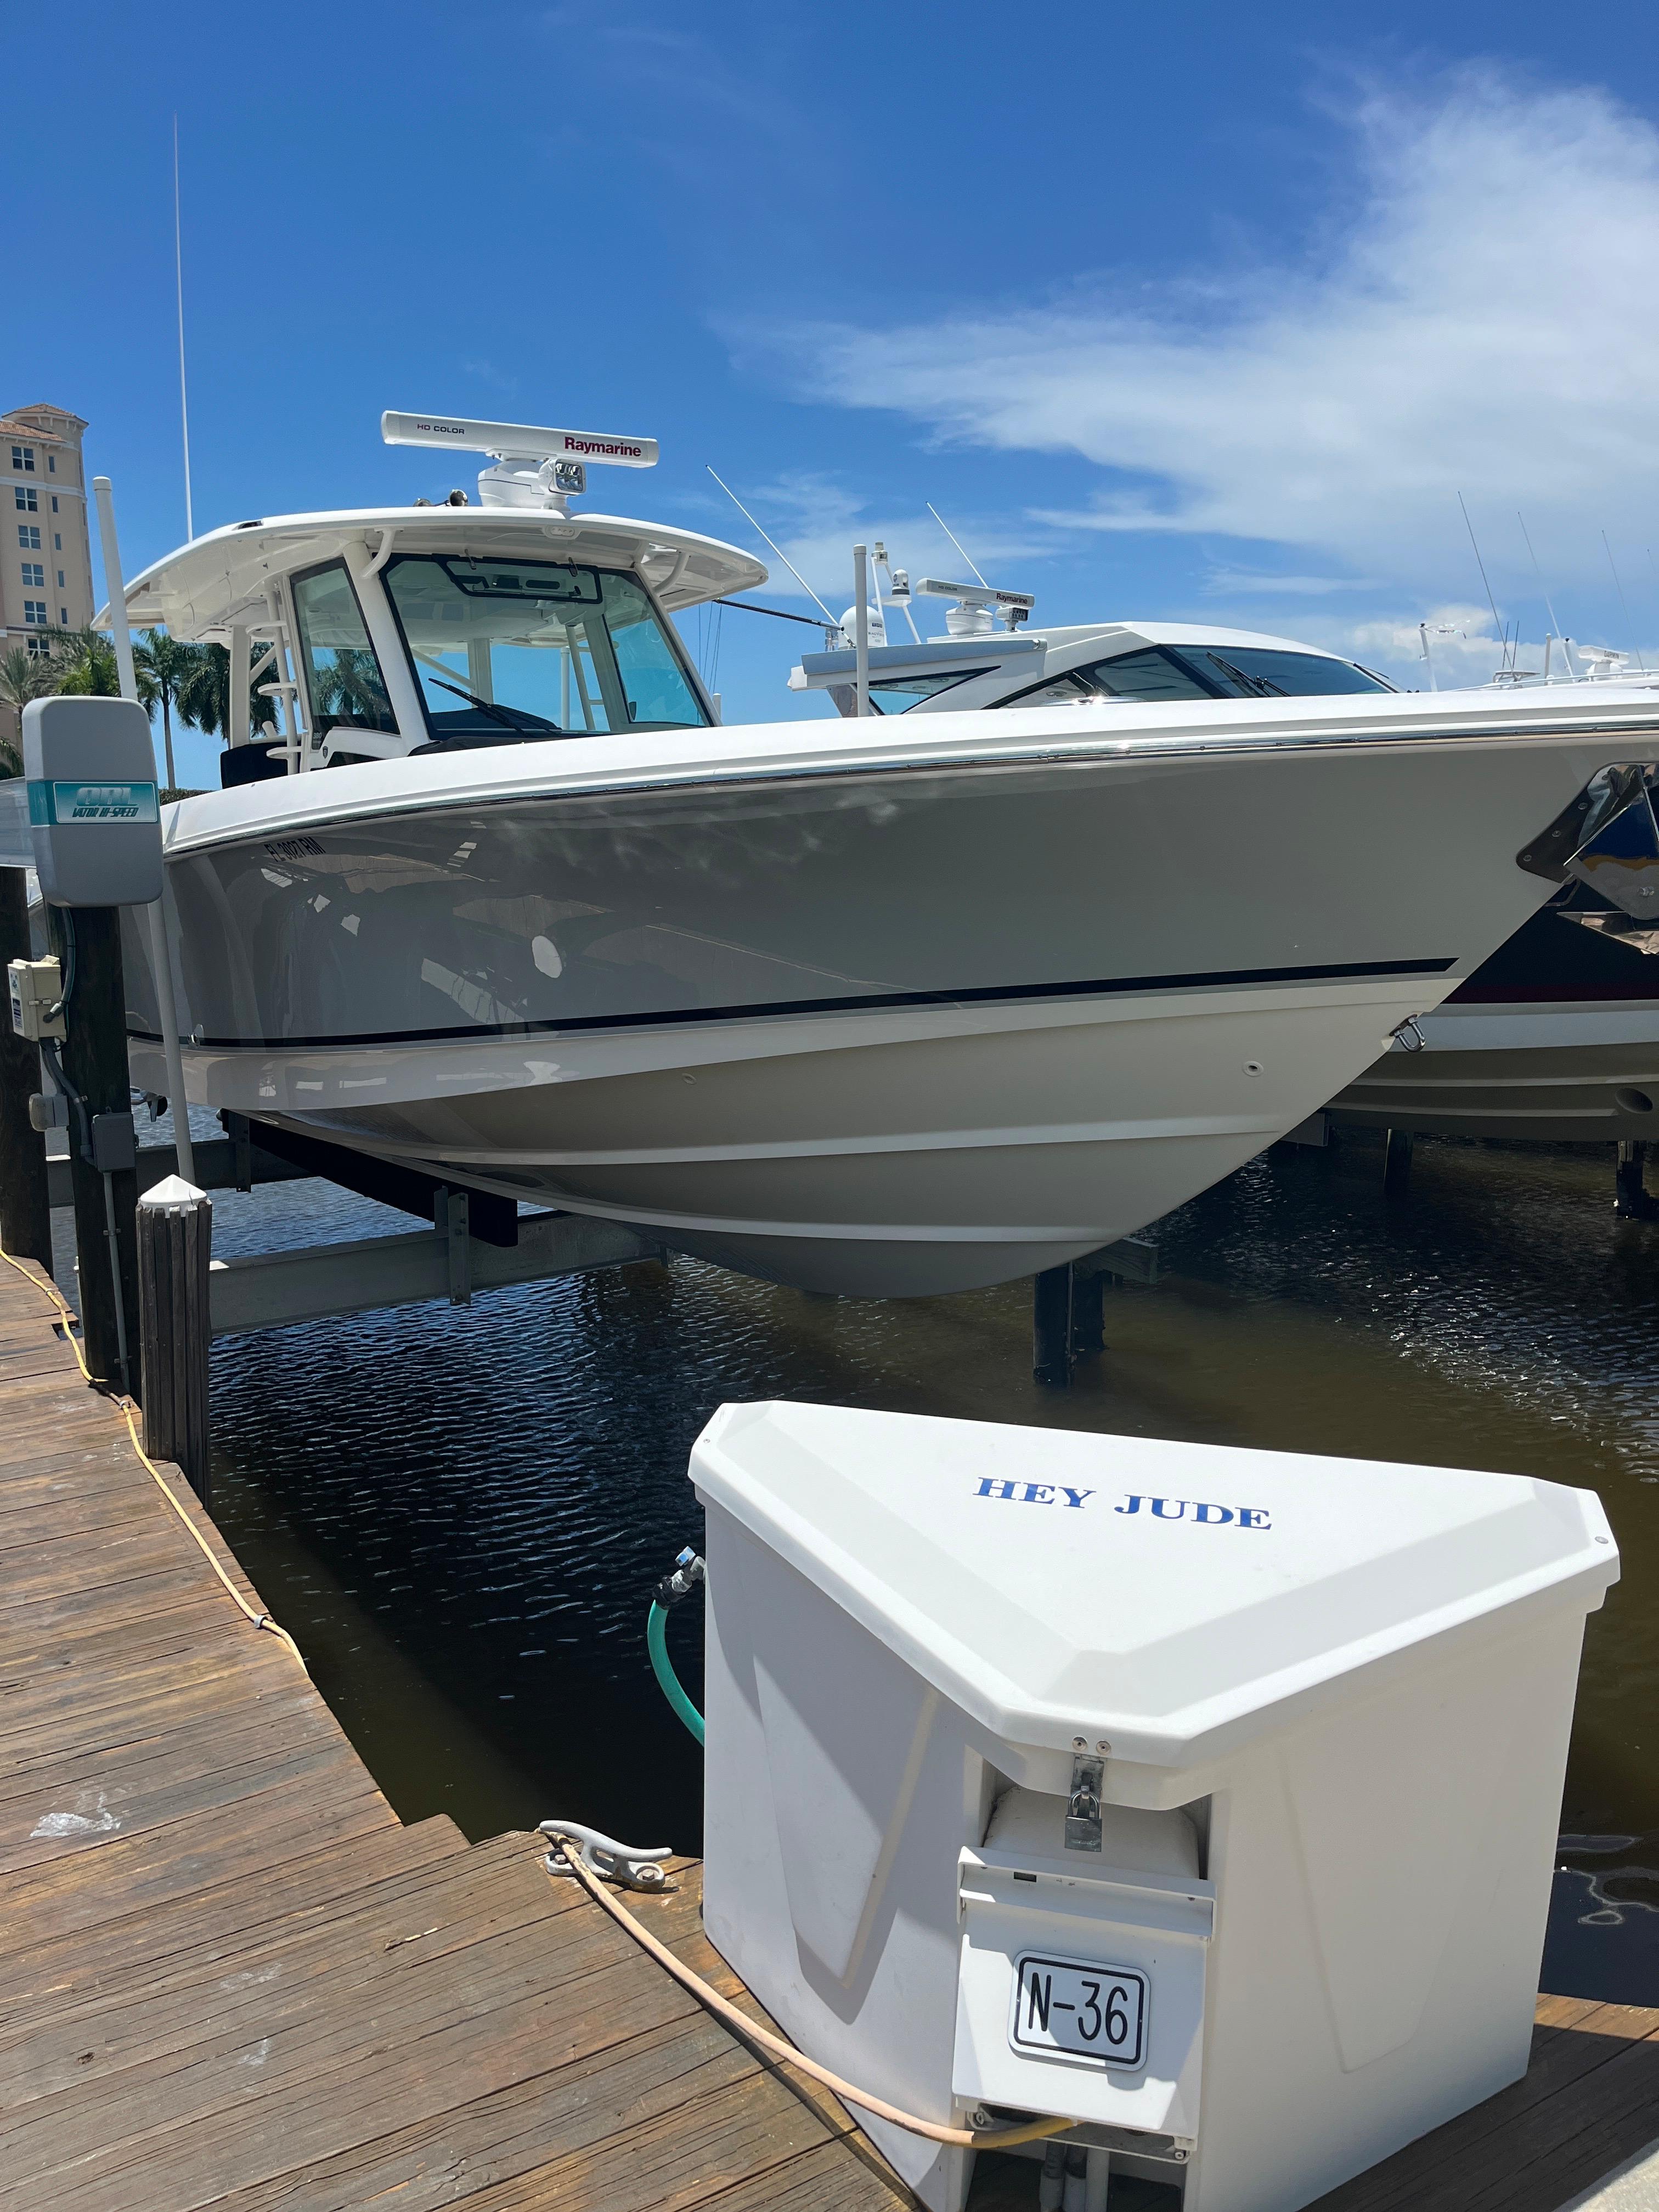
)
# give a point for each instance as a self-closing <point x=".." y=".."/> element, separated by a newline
<point x="1206" y="1798"/>
<point x="94" y="819"/>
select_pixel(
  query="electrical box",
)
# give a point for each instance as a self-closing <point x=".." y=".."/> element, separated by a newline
<point x="94" y="816"/>
<point x="115" y="1144"/>
<point x="1206" y="1799"/>
<point x="37" y="986"/>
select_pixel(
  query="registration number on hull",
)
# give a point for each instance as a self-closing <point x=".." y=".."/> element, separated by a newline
<point x="1073" y="2009"/>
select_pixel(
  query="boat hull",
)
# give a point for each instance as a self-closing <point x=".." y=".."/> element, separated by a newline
<point x="884" y="1033"/>
<point x="1556" y="1075"/>
<point x="1555" y="1039"/>
<point x="918" y="1155"/>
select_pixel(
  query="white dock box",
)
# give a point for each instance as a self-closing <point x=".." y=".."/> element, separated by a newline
<point x="1206" y="1797"/>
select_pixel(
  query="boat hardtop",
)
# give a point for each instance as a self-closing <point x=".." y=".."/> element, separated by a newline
<point x="221" y="581"/>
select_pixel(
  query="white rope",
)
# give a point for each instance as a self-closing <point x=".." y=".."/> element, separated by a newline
<point x="774" y="2045"/>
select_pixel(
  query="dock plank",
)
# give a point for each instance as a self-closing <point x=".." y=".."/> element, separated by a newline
<point x="204" y="1934"/>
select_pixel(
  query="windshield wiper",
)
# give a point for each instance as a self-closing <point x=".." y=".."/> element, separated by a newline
<point x="1253" y="687"/>
<point x="501" y="714"/>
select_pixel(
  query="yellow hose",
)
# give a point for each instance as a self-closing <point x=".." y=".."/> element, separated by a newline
<point x="775" y="2047"/>
<point x="127" y="1407"/>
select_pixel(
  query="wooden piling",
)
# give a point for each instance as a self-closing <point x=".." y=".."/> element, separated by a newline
<point x="175" y="1243"/>
<point x="95" y="1056"/>
<point x="25" y="1207"/>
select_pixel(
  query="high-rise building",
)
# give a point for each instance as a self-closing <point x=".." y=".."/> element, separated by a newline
<point x="46" y="559"/>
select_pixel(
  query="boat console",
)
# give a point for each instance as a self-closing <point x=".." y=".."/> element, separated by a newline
<point x="378" y="634"/>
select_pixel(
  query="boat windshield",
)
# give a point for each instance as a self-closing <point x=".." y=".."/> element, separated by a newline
<point x="897" y="695"/>
<point x="1204" y="671"/>
<point x="538" y="649"/>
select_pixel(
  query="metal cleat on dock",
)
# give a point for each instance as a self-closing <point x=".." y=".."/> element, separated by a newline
<point x="604" y="1855"/>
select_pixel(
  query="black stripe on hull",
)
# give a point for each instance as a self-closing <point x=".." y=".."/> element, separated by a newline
<point x="1236" y="979"/>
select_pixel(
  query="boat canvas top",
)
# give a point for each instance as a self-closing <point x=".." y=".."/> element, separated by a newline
<point x="1171" y="1600"/>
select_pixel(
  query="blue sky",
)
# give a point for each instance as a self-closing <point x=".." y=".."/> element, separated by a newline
<point x="1199" y="312"/>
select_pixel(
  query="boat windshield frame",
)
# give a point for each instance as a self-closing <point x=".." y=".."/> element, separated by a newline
<point x="422" y="670"/>
<point x="1183" y="659"/>
<point x="927" y="685"/>
<point x="320" y="720"/>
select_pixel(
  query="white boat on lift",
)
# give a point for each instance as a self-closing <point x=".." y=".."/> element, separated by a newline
<point x="850" y="1007"/>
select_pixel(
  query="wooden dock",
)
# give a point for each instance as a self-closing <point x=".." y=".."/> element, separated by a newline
<point x="230" y="1977"/>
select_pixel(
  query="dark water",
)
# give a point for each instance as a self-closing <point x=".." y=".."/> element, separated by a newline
<point x="462" y="1515"/>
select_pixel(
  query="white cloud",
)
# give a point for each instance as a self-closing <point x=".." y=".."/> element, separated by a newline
<point x="1223" y="581"/>
<point x="487" y="373"/>
<point x="1460" y="639"/>
<point x="1489" y="322"/>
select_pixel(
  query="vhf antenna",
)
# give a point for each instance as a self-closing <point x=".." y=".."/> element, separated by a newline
<point x="777" y="548"/>
<point x="1620" y="588"/>
<point x="1548" y="608"/>
<point x="955" y="541"/>
<point x="1480" y="564"/>
<point x="178" y="273"/>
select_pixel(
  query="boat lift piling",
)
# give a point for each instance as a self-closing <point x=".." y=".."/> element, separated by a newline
<point x="1052" y="1351"/>
<point x="1397" y="1163"/>
<point x="1632" y="1200"/>
<point x="103" y="1160"/>
<point x="1068" y="1306"/>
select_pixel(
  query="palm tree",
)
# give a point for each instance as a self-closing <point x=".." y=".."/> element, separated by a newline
<point x="23" y="676"/>
<point x="169" y="666"/>
<point x="350" y="687"/>
<point x="84" y="663"/>
<point x="204" y="702"/>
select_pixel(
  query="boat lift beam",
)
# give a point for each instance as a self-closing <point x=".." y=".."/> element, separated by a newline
<point x="271" y="1290"/>
<point x="221" y="1164"/>
<point x="494" y="1220"/>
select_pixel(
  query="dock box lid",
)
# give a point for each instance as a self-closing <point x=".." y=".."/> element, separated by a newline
<point x="1174" y="1598"/>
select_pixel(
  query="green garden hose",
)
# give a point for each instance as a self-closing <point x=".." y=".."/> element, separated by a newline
<point x="688" y="1572"/>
